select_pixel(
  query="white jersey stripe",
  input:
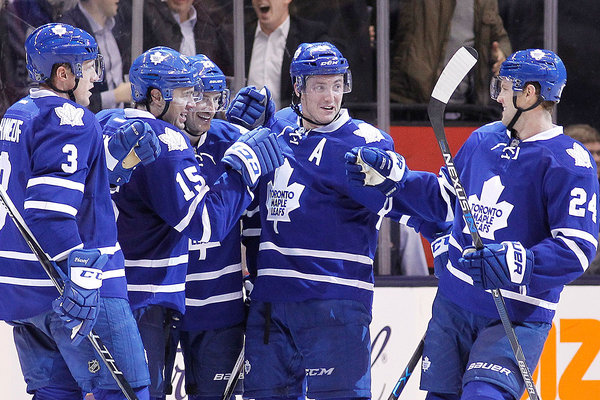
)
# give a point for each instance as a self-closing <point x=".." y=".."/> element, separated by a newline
<point x="289" y="273"/>
<point x="583" y="260"/>
<point x="213" y="299"/>
<point x="192" y="209"/>
<point x="166" y="262"/>
<point x="336" y="255"/>
<point x="64" y="183"/>
<point x="179" y="287"/>
<point x="26" y="281"/>
<point x="576" y="233"/>
<point x="205" y="276"/>
<point x="50" y="206"/>
<point x="17" y="255"/>
<point x="115" y="273"/>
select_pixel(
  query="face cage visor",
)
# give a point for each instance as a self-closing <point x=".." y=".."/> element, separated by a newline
<point x="496" y="85"/>
<point x="96" y="64"/>
<point x="213" y="102"/>
<point x="345" y="88"/>
<point x="187" y="95"/>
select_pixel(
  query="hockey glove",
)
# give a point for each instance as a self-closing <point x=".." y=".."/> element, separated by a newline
<point x="439" y="249"/>
<point x="254" y="154"/>
<point x="251" y="108"/>
<point x="78" y="305"/>
<point x="496" y="266"/>
<point x="137" y="136"/>
<point x="372" y="166"/>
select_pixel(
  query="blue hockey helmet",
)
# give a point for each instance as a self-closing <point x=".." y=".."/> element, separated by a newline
<point x="164" y="69"/>
<point x="213" y="79"/>
<point x="533" y="65"/>
<point x="54" y="43"/>
<point x="320" y="58"/>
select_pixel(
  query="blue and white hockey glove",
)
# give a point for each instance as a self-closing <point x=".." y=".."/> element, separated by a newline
<point x="78" y="305"/>
<point x="254" y="154"/>
<point x="251" y="108"/>
<point x="496" y="266"/>
<point x="372" y="166"/>
<point x="138" y="136"/>
<point x="439" y="249"/>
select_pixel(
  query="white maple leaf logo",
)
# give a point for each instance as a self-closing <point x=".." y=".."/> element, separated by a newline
<point x="369" y="133"/>
<point x="490" y="215"/>
<point x="581" y="157"/>
<point x="173" y="139"/>
<point x="59" y="30"/>
<point x="282" y="198"/>
<point x="157" y="57"/>
<point x="69" y="115"/>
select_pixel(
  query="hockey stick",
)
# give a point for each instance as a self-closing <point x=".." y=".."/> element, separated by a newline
<point x="408" y="370"/>
<point x="454" y="72"/>
<point x="235" y="375"/>
<point x="43" y="258"/>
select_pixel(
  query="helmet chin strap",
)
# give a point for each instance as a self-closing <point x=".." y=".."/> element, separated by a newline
<point x="296" y="107"/>
<point x="520" y="111"/>
<point x="69" y="92"/>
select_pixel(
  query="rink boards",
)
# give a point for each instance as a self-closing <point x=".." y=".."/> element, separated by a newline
<point x="569" y="368"/>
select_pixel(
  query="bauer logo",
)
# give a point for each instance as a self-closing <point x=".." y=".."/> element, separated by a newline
<point x="490" y="366"/>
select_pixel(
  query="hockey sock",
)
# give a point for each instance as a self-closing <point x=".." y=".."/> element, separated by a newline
<point x="478" y="390"/>
<point x="57" y="393"/>
<point x="442" y="396"/>
<point x="103" y="394"/>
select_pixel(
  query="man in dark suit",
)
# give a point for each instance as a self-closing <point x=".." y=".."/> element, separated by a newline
<point x="271" y="40"/>
<point x="99" y="18"/>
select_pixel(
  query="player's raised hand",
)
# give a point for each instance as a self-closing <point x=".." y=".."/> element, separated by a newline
<point x="251" y="108"/>
<point x="130" y="145"/>
<point x="372" y="166"/>
<point x="78" y="305"/>
<point x="254" y="154"/>
<point x="504" y="265"/>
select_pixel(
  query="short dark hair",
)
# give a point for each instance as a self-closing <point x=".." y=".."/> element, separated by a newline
<point x="583" y="133"/>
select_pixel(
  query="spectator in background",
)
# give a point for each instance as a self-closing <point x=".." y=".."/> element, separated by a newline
<point x="271" y="40"/>
<point x="590" y="138"/>
<point x="347" y="24"/>
<point x="98" y="18"/>
<point x="430" y="31"/>
<point x="408" y="256"/>
<point x="524" y="23"/>
<point x="186" y="26"/>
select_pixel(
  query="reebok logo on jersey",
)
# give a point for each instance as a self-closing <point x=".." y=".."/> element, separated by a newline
<point x="491" y="367"/>
<point x="174" y="140"/>
<point x="489" y="214"/>
<point x="580" y="155"/>
<point x="69" y="115"/>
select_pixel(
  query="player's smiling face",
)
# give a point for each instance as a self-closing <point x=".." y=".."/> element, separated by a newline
<point x="505" y="99"/>
<point x="182" y="104"/>
<point x="322" y="98"/>
<point x="198" y="121"/>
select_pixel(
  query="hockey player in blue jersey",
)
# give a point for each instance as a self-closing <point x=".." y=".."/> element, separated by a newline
<point x="211" y="331"/>
<point x="169" y="201"/>
<point x="312" y="298"/>
<point x="53" y="167"/>
<point x="533" y="192"/>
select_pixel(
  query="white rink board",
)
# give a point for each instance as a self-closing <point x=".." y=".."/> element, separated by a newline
<point x="400" y="315"/>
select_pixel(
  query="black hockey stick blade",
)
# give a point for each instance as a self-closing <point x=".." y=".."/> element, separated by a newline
<point x="407" y="372"/>
<point x="234" y="377"/>
<point x="454" y="72"/>
<point x="43" y="258"/>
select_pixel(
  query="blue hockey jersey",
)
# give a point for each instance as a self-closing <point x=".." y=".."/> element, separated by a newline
<point x="213" y="291"/>
<point x="318" y="234"/>
<point x="165" y="203"/>
<point x="52" y="164"/>
<point x="542" y="192"/>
